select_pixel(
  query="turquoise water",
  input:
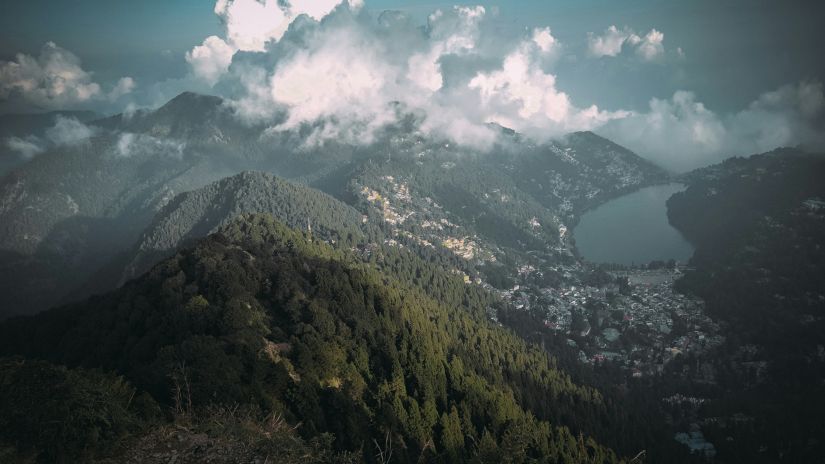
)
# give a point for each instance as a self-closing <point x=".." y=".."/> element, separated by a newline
<point x="632" y="229"/>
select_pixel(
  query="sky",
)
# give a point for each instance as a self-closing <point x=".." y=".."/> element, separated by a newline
<point x="682" y="82"/>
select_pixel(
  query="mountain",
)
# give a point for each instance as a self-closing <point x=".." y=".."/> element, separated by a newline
<point x="758" y="224"/>
<point x="500" y="211"/>
<point x="66" y="215"/>
<point x="189" y="116"/>
<point x="195" y="214"/>
<point x="262" y="316"/>
<point x="69" y="210"/>
<point x="396" y="322"/>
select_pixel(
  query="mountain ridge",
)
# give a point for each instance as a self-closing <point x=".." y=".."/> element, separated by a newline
<point x="111" y="187"/>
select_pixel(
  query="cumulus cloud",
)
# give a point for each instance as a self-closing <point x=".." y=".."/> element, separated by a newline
<point x="651" y="45"/>
<point x="681" y="133"/>
<point x="453" y="32"/>
<point x="544" y="39"/>
<point x="211" y="60"/>
<point x="69" y="131"/>
<point x="53" y="79"/>
<point x="349" y="76"/>
<point x="609" y="43"/>
<point x="337" y="81"/>
<point x="340" y="75"/>
<point x="521" y="96"/>
<point x="614" y="40"/>
<point x="250" y="25"/>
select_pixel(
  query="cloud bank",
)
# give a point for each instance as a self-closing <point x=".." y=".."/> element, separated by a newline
<point x="250" y="25"/>
<point x="53" y="79"/>
<point x="330" y="71"/>
<point x="681" y="133"/>
<point x="337" y="72"/>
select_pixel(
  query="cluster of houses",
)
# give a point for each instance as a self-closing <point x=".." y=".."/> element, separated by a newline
<point x="641" y="325"/>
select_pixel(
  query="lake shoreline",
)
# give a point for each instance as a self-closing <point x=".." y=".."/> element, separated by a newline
<point x="632" y="229"/>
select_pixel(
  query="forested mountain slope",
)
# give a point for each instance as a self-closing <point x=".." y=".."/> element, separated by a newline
<point x="259" y="315"/>
<point x="72" y="210"/>
<point x="195" y="214"/>
<point x="759" y="225"/>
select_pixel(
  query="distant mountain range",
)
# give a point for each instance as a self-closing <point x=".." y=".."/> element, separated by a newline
<point x="197" y="288"/>
<point x="75" y="209"/>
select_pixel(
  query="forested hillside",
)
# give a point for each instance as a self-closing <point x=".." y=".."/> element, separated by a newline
<point x="193" y="215"/>
<point x="259" y="315"/>
<point x="76" y="211"/>
<point x="759" y="224"/>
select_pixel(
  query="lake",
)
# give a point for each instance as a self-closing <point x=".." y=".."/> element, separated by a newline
<point x="632" y="229"/>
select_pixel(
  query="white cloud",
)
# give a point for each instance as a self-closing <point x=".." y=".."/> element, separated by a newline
<point x="69" y="131"/>
<point x="123" y="87"/>
<point x="681" y="133"/>
<point x="613" y="40"/>
<point x="250" y="25"/>
<point x="651" y="46"/>
<point x="609" y="43"/>
<point x="129" y="145"/>
<point x="27" y="148"/>
<point x="53" y="79"/>
<point x="342" y="80"/>
<point x="451" y="32"/>
<point x="210" y="60"/>
<point x="348" y="77"/>
<point x="523" y="97"/>
<point x="544" y="39"/>
<point x="316" y="9"/>
<point x="254" y="104"/>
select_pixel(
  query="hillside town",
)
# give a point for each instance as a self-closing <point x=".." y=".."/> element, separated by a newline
<point x="631" y="318"/>
<point x="636" y="321"/>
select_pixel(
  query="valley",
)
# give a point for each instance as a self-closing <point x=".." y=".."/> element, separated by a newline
<point x="394" y="232"/>
<point x="490" y="235"/>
